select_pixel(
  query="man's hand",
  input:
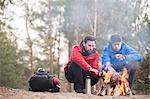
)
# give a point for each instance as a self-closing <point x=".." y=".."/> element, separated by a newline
<point x="115" y="76"/>
<point x="109" y="66"/>
<point x="120" y="56"/>
<point x="94" y="71"/>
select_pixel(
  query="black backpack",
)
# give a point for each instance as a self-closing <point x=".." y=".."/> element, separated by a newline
<point x="42" y="81"/>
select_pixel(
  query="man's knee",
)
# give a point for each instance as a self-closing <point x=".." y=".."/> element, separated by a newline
<point x="132" y="66"/>
<point x="74" y="67"/>
<point x="69" y="76"/>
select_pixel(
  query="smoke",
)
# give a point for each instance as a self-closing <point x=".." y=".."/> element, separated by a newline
<point x="113" y="16"/>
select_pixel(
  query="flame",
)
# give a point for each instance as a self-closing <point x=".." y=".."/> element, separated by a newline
<point x="122" y="82"/>
<point x="108" y="76"/>
<point x="111" y="92"/>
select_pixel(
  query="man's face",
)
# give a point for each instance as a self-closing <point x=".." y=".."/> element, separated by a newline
<point x="116" y="46"/>
<point x="89" y="45"/>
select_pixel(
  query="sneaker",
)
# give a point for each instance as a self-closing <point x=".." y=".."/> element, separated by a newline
<point x="79" y="91"/>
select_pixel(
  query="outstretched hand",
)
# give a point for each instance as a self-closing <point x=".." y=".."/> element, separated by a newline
<point x="94" y="71"/>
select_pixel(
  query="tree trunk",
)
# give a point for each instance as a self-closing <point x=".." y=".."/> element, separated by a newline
<point x="58" y="53"/>
<point x="95" y="18"/>
<point x="51" y="60"/>
<point x="29" y="41"/>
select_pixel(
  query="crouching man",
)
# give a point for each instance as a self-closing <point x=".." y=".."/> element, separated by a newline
<point x="83" y="62"/>
<point x="42" y="81"/>
<point x="117" y="55"/>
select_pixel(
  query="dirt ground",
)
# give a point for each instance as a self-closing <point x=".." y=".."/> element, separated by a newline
<point x="9" y="93"/>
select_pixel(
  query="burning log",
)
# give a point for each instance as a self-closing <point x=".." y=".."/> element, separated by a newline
<point x="123" y="83"/>
<point x="110" y="85"/>
<point x="108" y="76"/>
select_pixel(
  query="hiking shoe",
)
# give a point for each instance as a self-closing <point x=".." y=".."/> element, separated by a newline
<point x="30" y="89"/>
<point x="132" y="93"/>
<point x="79" y="91"/>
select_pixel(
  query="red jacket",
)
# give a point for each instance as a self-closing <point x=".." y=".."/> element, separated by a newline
<point x="85" y="62"/>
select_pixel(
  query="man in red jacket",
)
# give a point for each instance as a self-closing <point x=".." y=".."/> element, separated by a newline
<point x="83" y="62"/>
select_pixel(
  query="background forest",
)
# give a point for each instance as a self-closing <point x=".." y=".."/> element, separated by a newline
<point x="40" y="33"/>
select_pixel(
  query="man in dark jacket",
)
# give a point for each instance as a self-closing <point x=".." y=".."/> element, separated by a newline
<point x="83" y="62"/>
<point x="42" y="81"/>
<point x="117" y="55"/>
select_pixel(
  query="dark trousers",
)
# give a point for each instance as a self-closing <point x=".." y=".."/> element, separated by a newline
<point x="132" y="67"/>
<point x="75" y="74"/>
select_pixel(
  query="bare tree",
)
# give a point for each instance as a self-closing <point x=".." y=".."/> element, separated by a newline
<point x="141" y="21"/>
<point x="3" y="3"/>
<point x="47" y="37"/>
<point x="29" y="40"/>
<point x="95" y="18"/>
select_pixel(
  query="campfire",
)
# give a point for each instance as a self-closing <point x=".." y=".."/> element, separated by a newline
<point x="110" y="85"/>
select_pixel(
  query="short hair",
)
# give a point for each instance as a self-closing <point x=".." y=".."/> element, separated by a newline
<point x="115" y="38"/>
<point x="88" y="38"/>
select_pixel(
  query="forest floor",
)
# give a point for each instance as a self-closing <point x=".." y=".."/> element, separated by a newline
<point x="9" y="93"/>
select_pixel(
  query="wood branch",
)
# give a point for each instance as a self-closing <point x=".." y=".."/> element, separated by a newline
<point x="90" y="23"/>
